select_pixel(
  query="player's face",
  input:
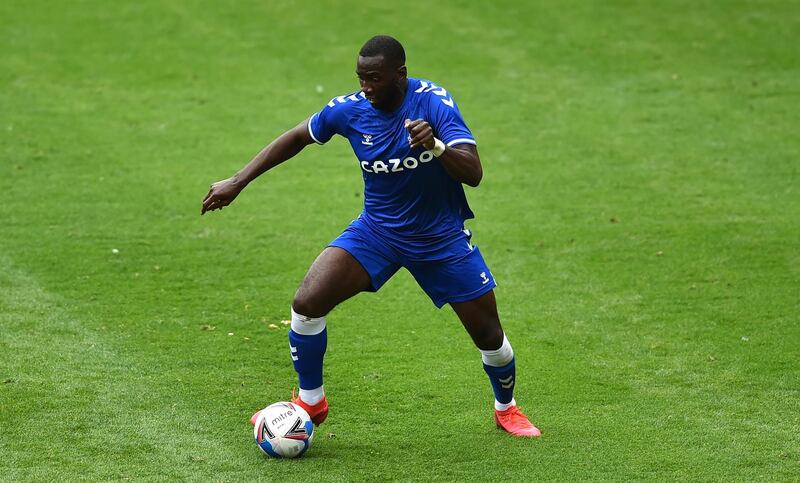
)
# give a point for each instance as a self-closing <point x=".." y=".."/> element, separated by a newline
<point x="382" y="83"/>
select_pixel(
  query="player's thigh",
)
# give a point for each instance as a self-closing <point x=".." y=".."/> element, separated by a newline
<point x="464" y="281"/>
<point x="460" y="275"/>
<point x="334" y="277"/>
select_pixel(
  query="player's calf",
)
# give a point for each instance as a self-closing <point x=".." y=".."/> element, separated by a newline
<point x="500" y="366"/>
<point x="308" y="340"/>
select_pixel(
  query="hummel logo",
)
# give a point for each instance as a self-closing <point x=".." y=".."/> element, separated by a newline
<point x="293" y="350"/>
<point x="367" y="140"/>
<point x="485" y="278"/>
<point x="507" y="383"/>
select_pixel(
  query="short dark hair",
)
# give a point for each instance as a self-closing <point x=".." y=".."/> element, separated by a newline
<point x="386" y="46"/>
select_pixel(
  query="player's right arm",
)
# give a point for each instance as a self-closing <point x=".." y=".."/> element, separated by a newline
<point x="287" y="145"/>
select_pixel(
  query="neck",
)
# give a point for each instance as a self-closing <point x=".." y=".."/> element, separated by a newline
<point x="398" y="98"/>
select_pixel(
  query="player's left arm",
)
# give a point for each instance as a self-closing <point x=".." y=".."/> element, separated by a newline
<point x="461" y="161"/>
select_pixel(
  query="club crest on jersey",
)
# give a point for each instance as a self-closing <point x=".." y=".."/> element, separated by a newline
<point x="367" y="140"/>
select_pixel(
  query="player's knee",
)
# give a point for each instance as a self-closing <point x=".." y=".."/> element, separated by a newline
<point x="489" y="337"/>
<point x="308" y="305"/>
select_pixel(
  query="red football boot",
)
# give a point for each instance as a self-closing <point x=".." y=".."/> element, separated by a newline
<point x="317" y="412"/>
<point x="513" y="421"/>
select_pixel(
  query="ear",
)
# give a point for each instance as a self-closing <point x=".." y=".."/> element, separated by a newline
<point x="402" y="72"/>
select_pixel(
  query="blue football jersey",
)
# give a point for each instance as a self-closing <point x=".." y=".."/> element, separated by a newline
<point x="408" y="196"/>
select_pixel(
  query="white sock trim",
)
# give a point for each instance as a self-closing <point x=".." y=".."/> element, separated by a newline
<point x="498" y="357"/>
<point x="307" y="325"/>
<point x="312" y="396"/>
<point x="500" y="406"/>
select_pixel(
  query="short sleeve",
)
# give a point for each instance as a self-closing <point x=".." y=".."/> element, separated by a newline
<point x="448" y="124"/>
<point x="327" y="122"/>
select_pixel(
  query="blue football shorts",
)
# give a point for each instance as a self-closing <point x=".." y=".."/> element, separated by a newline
<point x="454" y="271"/>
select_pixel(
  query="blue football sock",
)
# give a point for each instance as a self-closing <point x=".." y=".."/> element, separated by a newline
<point x="308" y="352"/>
<point x="502" y="379"/>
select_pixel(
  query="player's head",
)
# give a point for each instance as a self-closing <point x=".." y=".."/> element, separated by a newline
<point x="381" y="70"/>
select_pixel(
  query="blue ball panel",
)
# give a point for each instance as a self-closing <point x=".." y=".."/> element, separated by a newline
<point x="267" y="448"/>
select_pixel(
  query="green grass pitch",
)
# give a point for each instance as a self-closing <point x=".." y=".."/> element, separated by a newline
<point x="640" y="209"/>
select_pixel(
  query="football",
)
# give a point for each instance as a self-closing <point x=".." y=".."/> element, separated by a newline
<point x="283" y="430"/>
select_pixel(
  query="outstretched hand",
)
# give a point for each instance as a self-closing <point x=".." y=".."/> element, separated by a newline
<point x="221" y="194"/>
<point x="419" y="133"/>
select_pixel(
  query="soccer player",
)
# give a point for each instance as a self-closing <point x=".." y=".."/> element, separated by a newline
<point x="415" y="152"/>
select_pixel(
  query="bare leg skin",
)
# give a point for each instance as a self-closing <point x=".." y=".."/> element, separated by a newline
<point x="334" y="277"/>
<point x="479" y="317"/>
